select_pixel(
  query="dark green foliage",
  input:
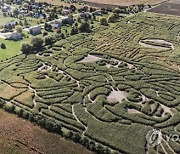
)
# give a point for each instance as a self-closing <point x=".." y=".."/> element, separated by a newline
<point x="3" y="46"/>
<point x="37" y="43"/>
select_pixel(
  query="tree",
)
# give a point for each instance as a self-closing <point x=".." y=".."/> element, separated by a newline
<point x="4" y="14"/>
<point x="84" y="27"/>
<point x="20" y="23"/>
<point x="37" y="43"/>
<point x="62" y="36"/>
<point x="103" y="21"/>
<point x="19" y="29"/>
<point x="45" y="33"/>
<point x="112" y="18"/>
<point x="26" y="22"/>
<point x="58" y="31"/>
<point x="47" y="27"/>
<point x="3" y="46"/>
<point x="116" y="10"/>
<point x="25" y="5"/>
<point x="74" y="31"/>
<point x="76" y="24"/>
<point x="49" y="40"/>
<point x="15" y="12"/>
<point x="26" y="48"/>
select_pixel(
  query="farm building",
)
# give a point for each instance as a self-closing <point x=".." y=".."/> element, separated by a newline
<point x="15" y="37"/>
<point x="35" y="30"/>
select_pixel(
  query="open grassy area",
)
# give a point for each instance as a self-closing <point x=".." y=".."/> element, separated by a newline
<point x="108" y="87"/>
<point x="12" y="47"/>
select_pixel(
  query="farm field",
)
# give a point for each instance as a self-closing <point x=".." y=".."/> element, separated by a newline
<point x="112" y="85"/>
<point x="125" y="2"/>
<point x="59" y="2"/>
<point x="18" y="136"/>
<point x="171" y="7"/>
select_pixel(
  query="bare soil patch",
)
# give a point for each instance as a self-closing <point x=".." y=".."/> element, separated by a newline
<point x="23" y="137"/>
<point x="123" y="2"/>
<point x="156" y="44"/>
<point x="90" y="59"/>
<point x="171" y="7"/>
<point x="116" y="96"/>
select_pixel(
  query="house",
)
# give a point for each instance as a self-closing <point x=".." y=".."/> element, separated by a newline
<point x="56" y="25"/>
<point x="15" y="37"/>
<point x="6" y="8"/>
<point x="10" y="25"/>
<point x="68" y="20"/>
<point x="65" y="12"/>
<point x="98" y="13"/>
<point x="85" y="15"/>
<point x="35" y="31"/>
<point x="36" y="15"/>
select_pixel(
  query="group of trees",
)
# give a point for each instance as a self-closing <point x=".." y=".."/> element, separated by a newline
<point x="113" y="17"/>
<point x="42" y="121"/>
<point x="37" y="43"/>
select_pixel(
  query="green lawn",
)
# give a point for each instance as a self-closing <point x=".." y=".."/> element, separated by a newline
<point x="12" y="47"/>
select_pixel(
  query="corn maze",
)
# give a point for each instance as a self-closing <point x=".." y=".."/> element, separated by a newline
<point x="105" y="85"/>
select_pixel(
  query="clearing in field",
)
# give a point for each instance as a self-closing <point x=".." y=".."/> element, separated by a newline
<point x="72" y="84"/>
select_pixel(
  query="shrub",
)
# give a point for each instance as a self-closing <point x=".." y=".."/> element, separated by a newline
<point x="3" y="46"/>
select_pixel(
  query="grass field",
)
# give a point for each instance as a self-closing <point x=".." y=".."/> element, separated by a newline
<point x="112" y="85"/>
<point x="19" y="137"/>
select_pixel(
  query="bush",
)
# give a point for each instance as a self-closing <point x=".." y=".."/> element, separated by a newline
<point x="3" y="46"/>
